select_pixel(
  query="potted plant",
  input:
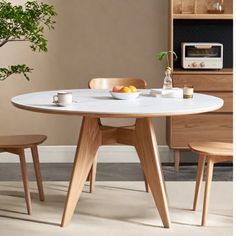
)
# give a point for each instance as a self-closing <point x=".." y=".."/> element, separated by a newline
<point x="167" y="84"/>
<point x="24" y="23"/>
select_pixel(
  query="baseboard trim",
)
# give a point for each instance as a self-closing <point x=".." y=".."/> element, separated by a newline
<point x="107" y="154"/>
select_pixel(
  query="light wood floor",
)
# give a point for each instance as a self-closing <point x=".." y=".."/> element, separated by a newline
<point x="114" y="209"/>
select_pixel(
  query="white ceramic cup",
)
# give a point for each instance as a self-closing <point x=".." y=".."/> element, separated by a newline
<point x="63" y="98"/>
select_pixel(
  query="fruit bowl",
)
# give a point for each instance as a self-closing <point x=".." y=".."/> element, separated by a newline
<point x="124" y="96"/>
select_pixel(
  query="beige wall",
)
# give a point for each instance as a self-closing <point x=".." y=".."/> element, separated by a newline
<point x="93" y="38"/>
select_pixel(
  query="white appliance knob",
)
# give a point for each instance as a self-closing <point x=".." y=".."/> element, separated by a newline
<point x="202" y="64"/>
<point x="194" y="64"/>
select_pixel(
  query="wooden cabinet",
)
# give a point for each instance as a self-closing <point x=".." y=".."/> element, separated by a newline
<point x="213" y="126"/>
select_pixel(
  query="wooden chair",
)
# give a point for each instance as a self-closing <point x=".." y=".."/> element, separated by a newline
<point x="108" y="83"/>
<point x="214" y="152"/>
<point x="17" y="144"/>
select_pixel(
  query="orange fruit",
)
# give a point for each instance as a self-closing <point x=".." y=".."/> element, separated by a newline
<point x="125" y="90"/>
<point x="133" y="89"/>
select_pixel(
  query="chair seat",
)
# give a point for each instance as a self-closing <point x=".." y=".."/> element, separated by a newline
<point x="213" y="148"/>
<point x="16" y="141"/>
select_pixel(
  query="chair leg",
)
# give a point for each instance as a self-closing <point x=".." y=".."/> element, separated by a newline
<point x="200" y="170"/>
<point x="177" y="159"/>
<point x="93" y="171"/>
<point x="92" y="175"/>
<point x="89" y="174"/>
<point x="209" y="173"/>
<point x="35" y="156"/>
<point x="25" y="181"/>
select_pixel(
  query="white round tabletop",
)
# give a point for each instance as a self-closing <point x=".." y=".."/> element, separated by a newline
<point x="99" y="103"/>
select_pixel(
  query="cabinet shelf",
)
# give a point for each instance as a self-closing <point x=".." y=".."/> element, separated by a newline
<point x="203" y="16"/>
<point x="225" y="71"/>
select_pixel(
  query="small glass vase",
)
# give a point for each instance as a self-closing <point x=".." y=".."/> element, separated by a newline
<point x="215" y="6"/>
<point x="167" y="84"/>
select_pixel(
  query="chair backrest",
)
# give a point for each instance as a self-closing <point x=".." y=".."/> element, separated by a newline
<point x="108" y="83"/>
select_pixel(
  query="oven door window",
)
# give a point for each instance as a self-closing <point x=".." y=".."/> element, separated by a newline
<point x="203" y="51"/>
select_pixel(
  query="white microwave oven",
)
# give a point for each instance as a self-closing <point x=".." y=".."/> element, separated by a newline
<point x="202" y="55"/>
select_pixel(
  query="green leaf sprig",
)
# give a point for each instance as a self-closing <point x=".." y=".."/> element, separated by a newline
<point x="165" y="54"/>
<point x="15" y="69"/>
<point x="24" y="23"/>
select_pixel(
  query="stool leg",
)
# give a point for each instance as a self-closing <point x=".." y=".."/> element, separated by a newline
<point x="35" y="156"/>
<point x="200" y="170"/>
<point x="209" y="173"/>
<point x="25" y="181"/>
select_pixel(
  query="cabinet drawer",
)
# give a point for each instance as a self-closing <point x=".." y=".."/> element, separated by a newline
<point x="205" y="82"/>
<point x="207" y="127"/>
<point x="228" y="101"/>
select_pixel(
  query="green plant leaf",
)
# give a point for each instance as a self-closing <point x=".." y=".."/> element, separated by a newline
<point x="162" y="55"/>
<point x="15" y="69"/>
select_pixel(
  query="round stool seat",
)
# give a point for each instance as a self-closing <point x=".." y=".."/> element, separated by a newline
<point x="16" y="141"/>
<point x="212" y="148"/>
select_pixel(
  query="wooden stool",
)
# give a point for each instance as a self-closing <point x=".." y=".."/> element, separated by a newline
<point x="215" y="152"/>
<point x="16" y="145"/>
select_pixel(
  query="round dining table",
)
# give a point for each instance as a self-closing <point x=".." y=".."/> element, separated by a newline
<point x="94" y="104"/>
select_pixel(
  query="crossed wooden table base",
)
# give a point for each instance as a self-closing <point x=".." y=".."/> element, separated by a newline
<point x="142" y="136"/>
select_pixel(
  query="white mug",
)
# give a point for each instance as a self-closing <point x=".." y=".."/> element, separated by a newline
<point x="63" y="99"/>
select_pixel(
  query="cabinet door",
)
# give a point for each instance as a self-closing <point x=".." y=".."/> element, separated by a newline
<point x="205" y="127"/>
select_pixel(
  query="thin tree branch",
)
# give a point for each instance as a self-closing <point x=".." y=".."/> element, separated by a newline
<point x="12" y="40"/>
<point x="167" y="59"/>
<point x="17" y="40"/>
<point x="4" y="41"/>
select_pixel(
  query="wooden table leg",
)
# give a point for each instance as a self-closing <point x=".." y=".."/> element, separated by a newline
<point x="145" y="182"/>
<point x="146" y="146"/>
<point x="92" y="176"/>
<point x="25" y="181"/>
<point x="39" y="179"/>
<point x="200" y="170"/>
<point x="89" y="141"/>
